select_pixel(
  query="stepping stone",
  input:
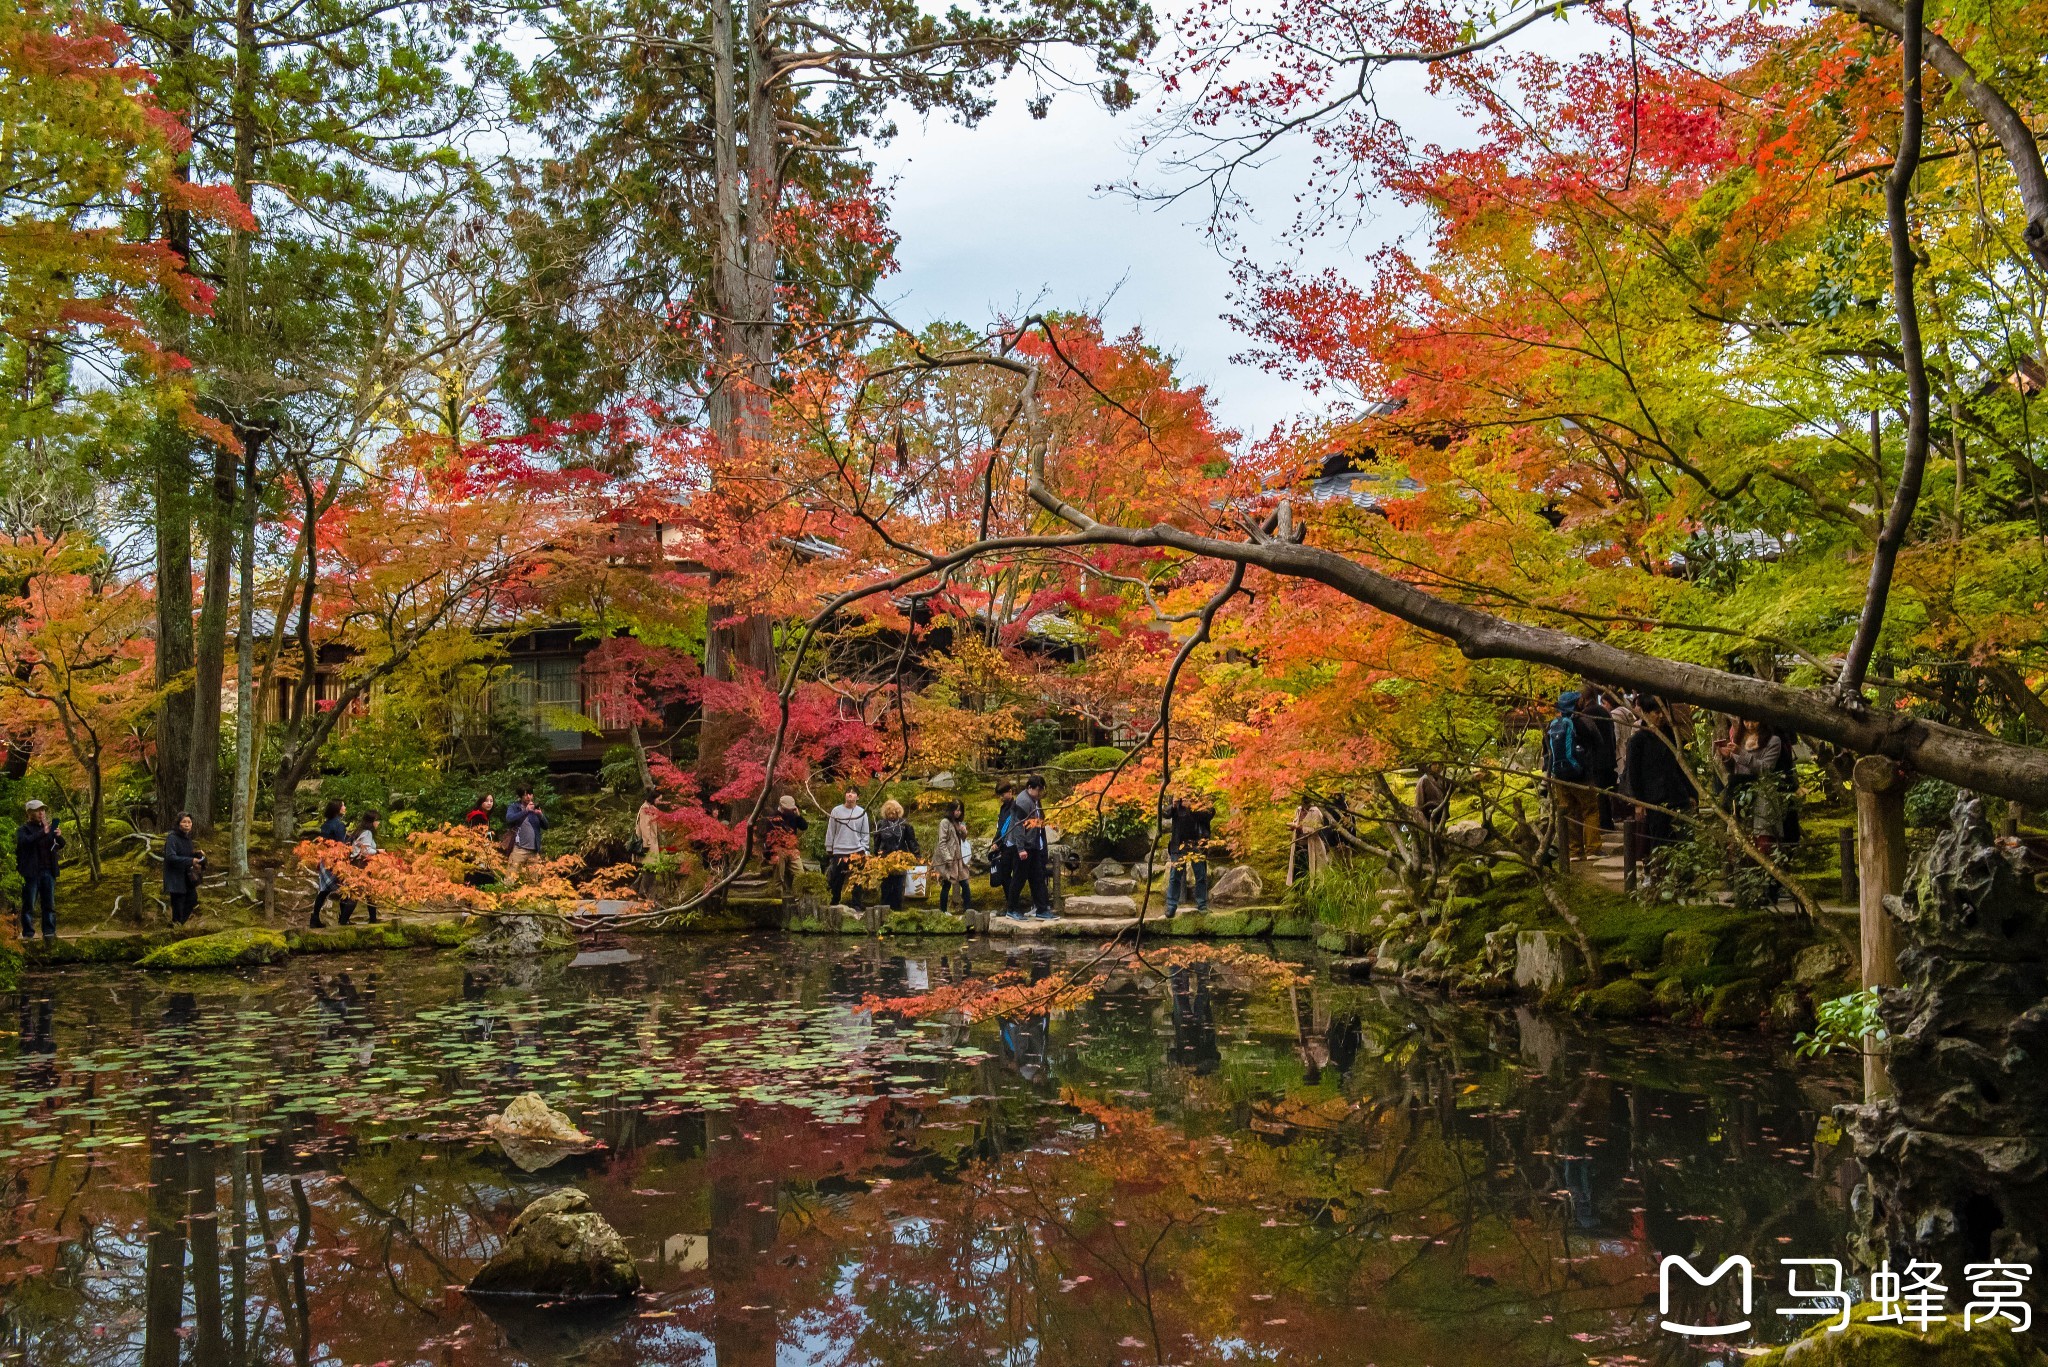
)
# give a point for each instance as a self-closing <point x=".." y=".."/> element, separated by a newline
<point x="1081" y="905"/>
<point x="599" y="958"/>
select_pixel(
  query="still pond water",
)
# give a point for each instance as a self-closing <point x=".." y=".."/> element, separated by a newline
<point x="286" y="1168"/>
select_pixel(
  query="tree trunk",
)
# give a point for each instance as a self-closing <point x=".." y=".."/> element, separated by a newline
<point x="172" y="457"/>
<point x="248" y="722"/>
<point x="234" y="319"/>
<point x="1898" y="200"/>
<point x="170" y="452"/>
<point x="738" y="643"/>
<point x="202" y="772"/>
<point x="1880" y="872"/>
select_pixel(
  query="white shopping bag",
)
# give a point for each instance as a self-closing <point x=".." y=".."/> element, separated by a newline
<point x="914" y="881"/>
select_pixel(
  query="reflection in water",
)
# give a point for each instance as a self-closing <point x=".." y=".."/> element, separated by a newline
<point x="279" y="1169"/>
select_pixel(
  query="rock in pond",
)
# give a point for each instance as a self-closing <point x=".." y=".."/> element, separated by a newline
<point x="534" y="1135"/>
<point x="519" y="937"/>
<point x="559" y="1248"/>
<point x="1081" y="905"/>
<point x="1547" y="961"/>
<point x="1820" y="963"/>
<point x="1236" y="886"/>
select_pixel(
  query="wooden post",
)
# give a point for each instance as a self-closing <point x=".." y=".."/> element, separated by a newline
<point x="268" y="878"/>
<point x="1848" y="862"/>
<point x="1560" y="831"/>
<point x="1629" y="852"/>
<point x="1880" y="870"/>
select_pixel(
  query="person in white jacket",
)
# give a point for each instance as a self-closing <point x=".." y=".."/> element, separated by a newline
<point x="847" y="833"/>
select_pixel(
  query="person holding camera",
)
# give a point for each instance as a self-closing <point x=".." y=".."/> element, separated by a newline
<point x="36" y="846"/>
<point x="184" y="867"/>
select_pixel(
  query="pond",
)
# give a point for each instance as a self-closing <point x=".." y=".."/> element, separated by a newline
<point x="288" y="1167"/>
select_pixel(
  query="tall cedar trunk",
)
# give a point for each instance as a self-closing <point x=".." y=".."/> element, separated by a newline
<point x="737" y="644"/>
<point x="292" y="765"/>
<point x="170" y="451"/>
<point x="247" y="722"/>
<point x="202" y="770"/>
<point x="203" y="778"/>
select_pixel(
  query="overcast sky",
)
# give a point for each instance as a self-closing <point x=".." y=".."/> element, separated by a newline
<point x="1010" y="215"/>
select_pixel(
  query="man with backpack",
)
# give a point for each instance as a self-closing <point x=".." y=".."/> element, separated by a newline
<point x="1570" y="751"/>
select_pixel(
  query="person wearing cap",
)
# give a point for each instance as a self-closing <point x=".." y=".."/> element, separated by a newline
<point x="35" y="858"/>
<point x="785" y="832"/>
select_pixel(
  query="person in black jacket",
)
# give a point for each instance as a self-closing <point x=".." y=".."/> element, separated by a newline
<point x="894" y="836"/>
<point x="184" y="866"/>
<point x="36" y="847"/>
<point x="1656" y="775"/>
<point x="998" y="851"/>
<point x="334" y="827"/>
<point x="785" y="842"/>
<point x="1024" y="838"/>
<point x="1603" y="757"/>
<point x="1188" y="823"/>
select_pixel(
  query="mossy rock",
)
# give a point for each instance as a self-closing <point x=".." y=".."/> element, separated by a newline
<point x="1332" y="941"/>
<point x="10" y="968"/>
<point x="923" y="922"/>
<point x="1624" y="999"/>
<point x="1991" y="1344"/>
<point x="1791" y="1009"/>
<point x="1223" y="924"/>
<point x="1292" y="928"/>
<point x="222" y="949"/>
<point x="1690" y="949"/>
<point x="1672" y="996"/>
<point x="1739" y="1005"/>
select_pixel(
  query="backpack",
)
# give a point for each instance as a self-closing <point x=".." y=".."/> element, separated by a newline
<point x="1561" y="744"/>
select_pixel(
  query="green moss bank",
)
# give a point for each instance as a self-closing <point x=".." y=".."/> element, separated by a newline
<point x="222" y="949"/>
<point x="1863" y="1344"/>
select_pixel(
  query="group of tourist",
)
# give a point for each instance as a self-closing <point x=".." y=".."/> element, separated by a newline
<point x="1017" y="852"/>
<point x="1610" y="755"/>
<point x="38" y="848"/>
<point x="362" y="846"/>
